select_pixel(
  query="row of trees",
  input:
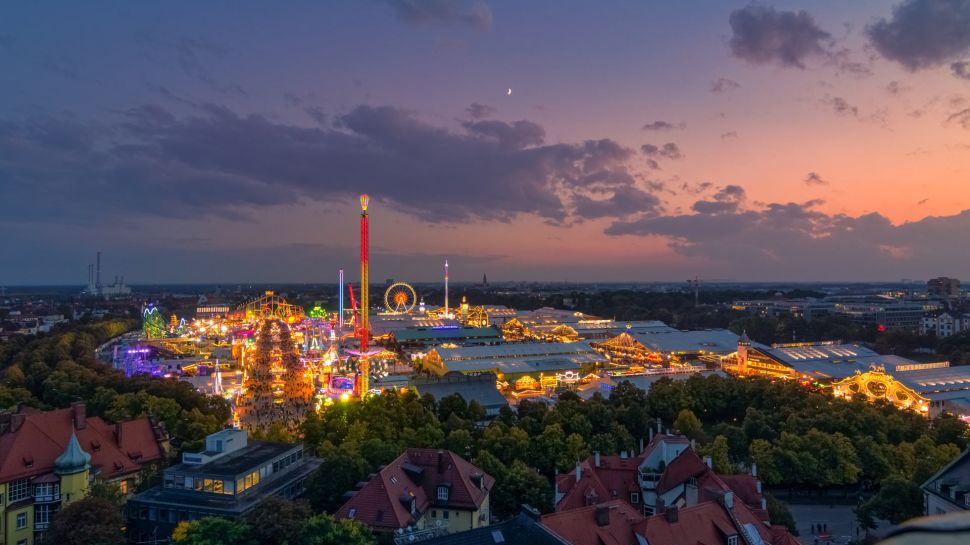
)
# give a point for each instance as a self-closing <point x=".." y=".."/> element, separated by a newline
<point x="51" y="371"/>
<point x="798" y="438"/>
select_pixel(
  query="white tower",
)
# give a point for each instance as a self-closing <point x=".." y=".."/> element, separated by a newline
<point x="446" y="289"/>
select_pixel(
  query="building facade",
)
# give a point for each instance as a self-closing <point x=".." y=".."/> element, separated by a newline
<point x="949" y="490"/>
<point x="228" y="479"/>
<point x="423" y="492"/>
<point x="49" y="458"/>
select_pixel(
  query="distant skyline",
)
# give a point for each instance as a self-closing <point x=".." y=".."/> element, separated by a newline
<point x="228" y="142"/>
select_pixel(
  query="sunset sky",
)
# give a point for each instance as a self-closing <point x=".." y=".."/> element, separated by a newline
<point x="228" y="141"/>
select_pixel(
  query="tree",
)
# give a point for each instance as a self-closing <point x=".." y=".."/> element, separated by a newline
<point x="90" y="521"/>
<point x="338" y="473"/>
<point x="688" y="424"/>
<point x="278" y="521"/>
<point x="213" y="531"/>
<point x="718" y="451"/>
<point x="763" y="454"/>
<point x="325" y="530"/>
<point x="778" y="513"/>
<point x="896" y="501"/>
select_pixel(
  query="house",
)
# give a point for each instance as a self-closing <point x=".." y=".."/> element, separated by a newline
<point x="48" y="458"/>
<point x="228" y="479"/>
<point x="616" y="522"/>
<point x="522" y="529"/>
<point x="427" y="491"/>
<point x="949" y="490"/>
<point x="667" y="472"/>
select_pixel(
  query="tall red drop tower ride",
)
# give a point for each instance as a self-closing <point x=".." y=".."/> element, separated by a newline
<point x="364" y="383"/>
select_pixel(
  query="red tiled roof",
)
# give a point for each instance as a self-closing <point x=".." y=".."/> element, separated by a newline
<point x="42" y="436"/>
<point x="685" y="466"/>
<point x="708" y="523"/>
<point x="379" y="503"/>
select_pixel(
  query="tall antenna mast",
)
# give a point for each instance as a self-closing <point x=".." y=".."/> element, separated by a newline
<point x="446" y="289"/>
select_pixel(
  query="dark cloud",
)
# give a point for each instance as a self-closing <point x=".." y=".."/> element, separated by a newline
<point x="798" y="241"/>
<point x="761" y="35"/>
<point x="895" y="88"/>
<point x="663" y="126"/>
<point x="667" y="151"/>
<point x="479" y="111"/>
<point x="697" y="188"/>
<point x="222" y="164"/>
<point x="729" y="135"/>
<point x="840" y="106"/>
<point x="728" y="199"/>
<point x="814" y="178"/>
<point x="923" y="33"/>
<point x="921" y="202"/>
<point x="724" y="85"/>
<point x="961" y="69"/>
<point x="653" y="164"/>
<point x="475" y="14"/>
<point x="961" y="118"/>
<point x="189" y="55"/>
<point x="291" y="99"/>
<point x="625" y="201"/>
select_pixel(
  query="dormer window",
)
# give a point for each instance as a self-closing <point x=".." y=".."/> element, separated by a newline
<point x="442" y="493"/>
<point x="732" y="540"/>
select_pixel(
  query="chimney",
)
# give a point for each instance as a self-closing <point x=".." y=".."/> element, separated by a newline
<point x="530" y="511"/>
<point x="441" y="461"/>
<point x="764" y="504"/>
<point x="579" y="471"/>
<point x="754" y="469"/>
<point x="672" y="513"/>
<point x="602" y="515"/>
<point x="641" y="444"/>
<point x="693" y="444"/>
<point x="728" y="499"/>
<point x="118" y="427"/>
<point x="596" y="457"/>
<point x="659" y="429"/>
<point x="623" y="455"/>
<point x="651" y="434"/>
<point x="708" y="462"/>
<point x="79" y="412"/>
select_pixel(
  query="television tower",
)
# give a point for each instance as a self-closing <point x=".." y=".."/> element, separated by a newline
<point x="364" y="302"/>
<point x="446" y="288"/>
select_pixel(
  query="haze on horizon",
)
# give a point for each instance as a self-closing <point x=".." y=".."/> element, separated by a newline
<point x="780" y="141"/>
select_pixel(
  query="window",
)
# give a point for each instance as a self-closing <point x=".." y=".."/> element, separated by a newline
<point x="635" y="498"/>
<point x="21" y="521"/>
<point x="443" y="493"/>
<point x="434" y="514"/>
<point x="21" y="542"/>
<point x="42" y="515"/>
<point x="123" y="487"/>
<point x="446" y="513"/>
<point x="732" y="540"/>
<point x="19" y="489"/>
<point x="352" y="513"/>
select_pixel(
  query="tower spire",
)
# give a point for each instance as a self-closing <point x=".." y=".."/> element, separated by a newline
<point x="364" y="296"/>
<point x="446" y="288"/>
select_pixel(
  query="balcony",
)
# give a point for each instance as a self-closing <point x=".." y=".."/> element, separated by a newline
<point x="47" y="498"/>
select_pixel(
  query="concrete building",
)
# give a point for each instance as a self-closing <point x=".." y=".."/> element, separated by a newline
<point x="890" y="314"/>
<point x="943" y="287"/>
<point x="949" y="490"/>
<point x="514" y="361"/>
<point x="479" y="388"/>
<point x="228" y="479"/>
<point x="944" y="324"/>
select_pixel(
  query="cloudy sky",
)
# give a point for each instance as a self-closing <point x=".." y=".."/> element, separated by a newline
<point x="228" y="142"/>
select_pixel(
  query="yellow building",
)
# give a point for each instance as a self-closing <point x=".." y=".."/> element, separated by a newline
<point x="49" y="458"/>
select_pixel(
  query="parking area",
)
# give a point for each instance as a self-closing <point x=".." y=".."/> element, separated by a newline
<point x="838" y="521"/>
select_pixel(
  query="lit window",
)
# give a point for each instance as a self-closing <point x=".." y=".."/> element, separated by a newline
<point x="21" y="521"/>
<point x="123" y="487"/>
<point x="443" y="493"/>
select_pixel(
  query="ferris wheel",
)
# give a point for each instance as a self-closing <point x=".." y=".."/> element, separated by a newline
<point x="400" y="298"/>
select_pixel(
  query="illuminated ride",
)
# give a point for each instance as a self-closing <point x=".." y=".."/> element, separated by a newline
<point x="877" y="384"/>
<point x="272" y="306"/>
<point x="400" y="298"/>
<point x="153" y="325"/>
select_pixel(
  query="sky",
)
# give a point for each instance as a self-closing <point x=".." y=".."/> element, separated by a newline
<point x="229" y="141"/>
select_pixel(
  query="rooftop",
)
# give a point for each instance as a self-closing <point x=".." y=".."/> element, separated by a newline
<point x="256" y="454"/>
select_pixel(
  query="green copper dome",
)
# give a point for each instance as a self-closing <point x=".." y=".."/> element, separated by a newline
<point x="74" y="459"/>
